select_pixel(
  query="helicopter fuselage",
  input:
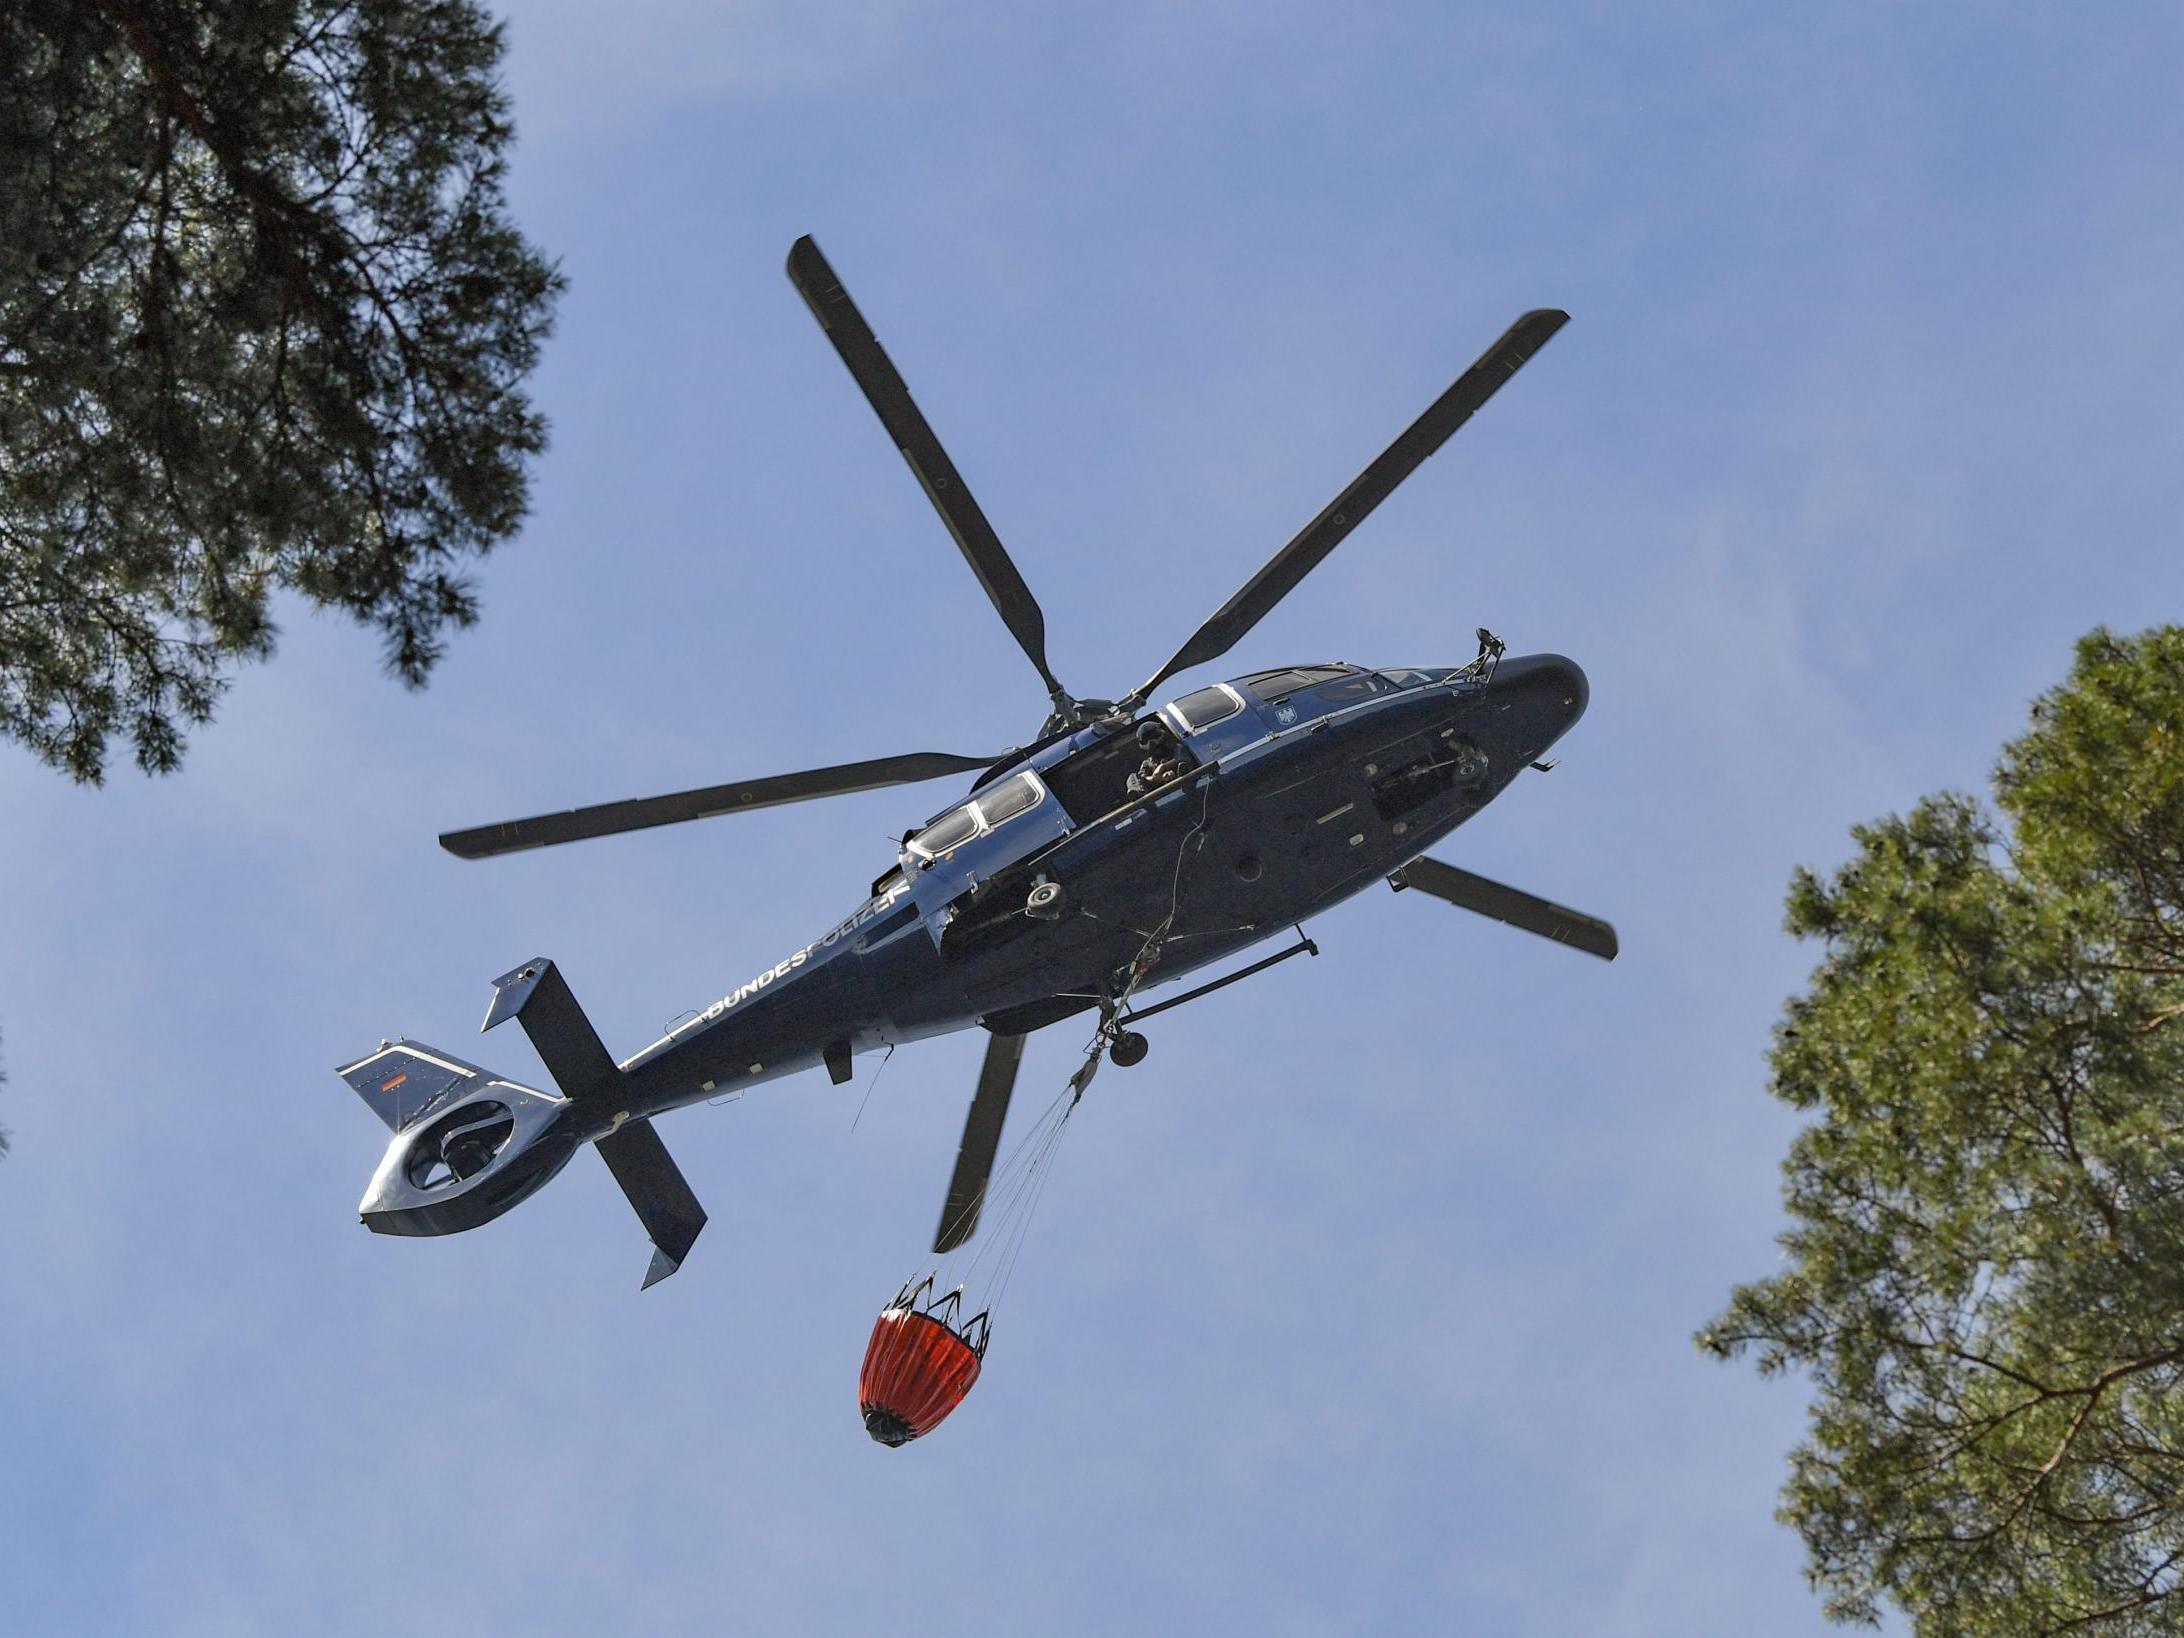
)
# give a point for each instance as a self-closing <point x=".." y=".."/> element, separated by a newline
<point x="1072" y="877"/>
<point x="1282" y="806"/>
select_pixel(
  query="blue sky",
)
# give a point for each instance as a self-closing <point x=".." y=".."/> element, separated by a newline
<point x="1364" y="1305"/>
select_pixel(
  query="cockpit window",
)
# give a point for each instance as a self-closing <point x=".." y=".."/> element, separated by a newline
<point x="1204" y="708"/>
<point x="958" y="825"/>
<point x="1351" y="688"/>
<point x="1273" y="685"/>
<point x="1407" y="676"/>
<point x="1008" y="800"/>
<point x="950" y="830"/>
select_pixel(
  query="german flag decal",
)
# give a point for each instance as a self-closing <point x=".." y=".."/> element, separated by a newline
<point x="389" y="1086"/>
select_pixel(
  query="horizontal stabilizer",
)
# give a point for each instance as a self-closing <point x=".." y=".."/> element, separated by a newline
<point x="1510" y="905"/>
<point x="656" y="1187"/>
<point x="402" y="1081"/>
<point x="538" y="997"/>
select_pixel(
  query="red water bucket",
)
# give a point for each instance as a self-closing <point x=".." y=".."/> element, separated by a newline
<point x="918" y="1366"/>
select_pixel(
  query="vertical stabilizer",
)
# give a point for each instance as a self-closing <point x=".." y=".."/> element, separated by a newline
<point x="538" y="997"/>
<point x="656" y="1188"/>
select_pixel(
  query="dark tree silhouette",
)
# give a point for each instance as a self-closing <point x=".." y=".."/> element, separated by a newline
<point x="263" y="324"/>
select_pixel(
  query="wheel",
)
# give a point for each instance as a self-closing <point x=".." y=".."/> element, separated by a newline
<point x="1044" y="903"/>
<point x="1129" y="1048"/>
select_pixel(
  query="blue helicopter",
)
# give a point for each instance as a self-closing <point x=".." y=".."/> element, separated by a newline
<point x="1120" y="849"/>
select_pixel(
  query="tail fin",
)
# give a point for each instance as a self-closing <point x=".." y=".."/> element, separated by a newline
<point x="402" y="1080"/>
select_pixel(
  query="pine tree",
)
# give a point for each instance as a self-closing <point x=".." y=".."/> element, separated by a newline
<point x="263" y="324"/>
<point x="1984" y="1277"/>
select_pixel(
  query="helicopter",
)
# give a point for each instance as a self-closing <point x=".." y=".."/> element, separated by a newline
<point x="1121" y="848"/>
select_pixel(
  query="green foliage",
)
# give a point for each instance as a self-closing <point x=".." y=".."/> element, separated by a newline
<point x="263" y="324"/>
<point x="1984" y="1277"/>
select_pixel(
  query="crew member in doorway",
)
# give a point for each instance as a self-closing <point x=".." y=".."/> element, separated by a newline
<point x="1163" y="757"/>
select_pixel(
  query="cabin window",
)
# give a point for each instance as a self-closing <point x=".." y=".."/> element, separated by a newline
<point x="1206" y="707"/>
<point x="1008" y="800"/>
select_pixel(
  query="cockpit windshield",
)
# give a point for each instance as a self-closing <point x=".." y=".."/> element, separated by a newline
<point x="1017" y="794"/>
<point x="950" y="830"/>
<point x="1273" y="685"/>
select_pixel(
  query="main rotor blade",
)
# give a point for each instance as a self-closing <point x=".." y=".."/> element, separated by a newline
<point x="890" y="398"/>
<point x="1372" y="486"/>
<point x="1507" y="904"/>
<point x="640" y="813"/>
<point x="981" y="1141"/>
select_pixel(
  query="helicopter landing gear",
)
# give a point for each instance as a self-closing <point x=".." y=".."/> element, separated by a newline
<point x="1045" y="902"/>
<point x="1128" y="1049"/>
